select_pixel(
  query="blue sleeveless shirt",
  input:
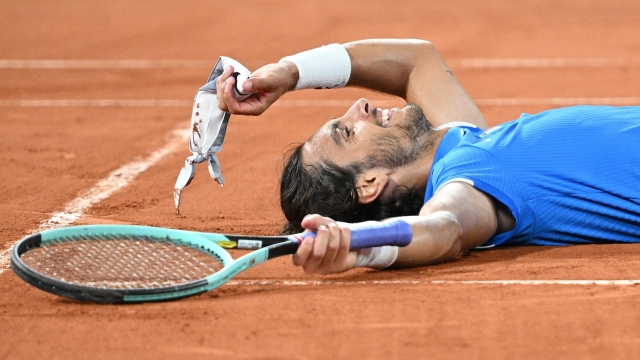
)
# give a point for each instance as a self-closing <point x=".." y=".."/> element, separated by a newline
<point x="569" y="176"/>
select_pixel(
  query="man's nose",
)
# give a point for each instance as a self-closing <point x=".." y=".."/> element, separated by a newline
<point x="359" y="111"/>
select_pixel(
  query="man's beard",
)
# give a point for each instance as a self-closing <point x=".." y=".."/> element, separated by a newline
<point x="394" y="151"/>
<point x="389" y="150"/>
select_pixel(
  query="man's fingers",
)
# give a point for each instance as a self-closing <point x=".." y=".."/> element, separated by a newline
<point x="314" y="221"/>
<point x="221" y="85"/>
<point x="329" y="252"/>
<point x="304" y="250"/>
<point x="254" y="84"/>
<point x="344" y="245"/>
<point x="319" y="248"/>
<point x="250" y="106"/>
<point x="229" y="98"/>
<point x="333" y="244"/>
<point x="266" y="85"/>
<point x="227" y="72"/>
<point x="345" y="233"/>
<point x="224" y="76"/>
<point x="249" y="86"/>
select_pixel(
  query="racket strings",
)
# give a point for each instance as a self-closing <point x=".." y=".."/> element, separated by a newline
<point x="116" y="262"/>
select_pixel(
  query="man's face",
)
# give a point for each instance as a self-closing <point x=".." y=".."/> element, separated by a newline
<point x="377" y="138"/>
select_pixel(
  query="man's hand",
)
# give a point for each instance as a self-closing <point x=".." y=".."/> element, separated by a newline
<point x="329" y="251"/>
<point x="266" y="84"/>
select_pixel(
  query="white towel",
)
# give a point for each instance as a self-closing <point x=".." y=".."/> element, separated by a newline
<point x="208" y="126"/>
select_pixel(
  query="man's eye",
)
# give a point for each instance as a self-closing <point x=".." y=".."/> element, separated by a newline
<point x="345" y="132"/>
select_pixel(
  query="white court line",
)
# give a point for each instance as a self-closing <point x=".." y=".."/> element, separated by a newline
<point x="559" y="101"/>
<point x="540" y="282"/>
<point x="435" y="282"/>
<point x="471" y="63"/>
<point x="5" y="257"/>
<point x="103" y="64"/>
<point x="104" y="188"/>
<point x="314" y="103"/>
<point x="479" y="102"/>
<point x="532" y="63"/>
<point x="168" y="103"/>
<point x="95" y="103"/>
<point x="334" y="103"/>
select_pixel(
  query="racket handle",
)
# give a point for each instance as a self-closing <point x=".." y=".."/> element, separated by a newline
<point x="373" y="234"/>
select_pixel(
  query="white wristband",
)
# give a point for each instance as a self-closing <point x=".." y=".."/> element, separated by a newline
<point x="377" y="257"/>
<point x="322" y="68"/>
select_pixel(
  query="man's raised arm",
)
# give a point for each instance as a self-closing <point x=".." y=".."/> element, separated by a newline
<point x="414" y="71"/>
<point x="411" y="69"/>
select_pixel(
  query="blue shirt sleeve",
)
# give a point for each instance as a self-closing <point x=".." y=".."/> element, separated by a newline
<point x="484" y="172"/>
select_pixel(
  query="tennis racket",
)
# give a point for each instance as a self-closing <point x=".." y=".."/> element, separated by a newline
<point x="130" y="264"/>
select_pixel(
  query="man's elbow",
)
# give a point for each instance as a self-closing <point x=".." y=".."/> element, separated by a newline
<point x="452" y="236"/>
<point x="446" y="238"/>
<point x="419" y="42"/>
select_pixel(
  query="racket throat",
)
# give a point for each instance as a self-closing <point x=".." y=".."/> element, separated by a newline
<point x="285" y="248"/>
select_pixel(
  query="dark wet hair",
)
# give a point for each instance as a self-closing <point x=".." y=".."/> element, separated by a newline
<point x="329" y="190"/>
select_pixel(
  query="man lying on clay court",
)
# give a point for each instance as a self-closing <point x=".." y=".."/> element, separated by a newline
<point x="564" y="176"/>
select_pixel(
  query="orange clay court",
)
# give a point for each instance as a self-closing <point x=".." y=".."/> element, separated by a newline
<point x="95" y="92"/>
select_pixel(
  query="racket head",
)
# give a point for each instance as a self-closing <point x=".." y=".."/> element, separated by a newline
<point x="38" y="258"/>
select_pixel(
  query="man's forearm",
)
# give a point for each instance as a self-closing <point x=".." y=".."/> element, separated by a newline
<point x="436" y="239"/>
<point x="385" y="65"/>
<point x="414" y="70"/>
<point x="457" y="218"/>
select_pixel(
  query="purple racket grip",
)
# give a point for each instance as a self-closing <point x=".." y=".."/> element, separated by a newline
<point x="373" y="234"/>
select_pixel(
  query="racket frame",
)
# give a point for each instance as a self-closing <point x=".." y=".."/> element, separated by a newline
<point x="206" y="242"/>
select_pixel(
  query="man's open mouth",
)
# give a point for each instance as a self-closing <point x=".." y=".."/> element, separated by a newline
<point x="386" y="116"/>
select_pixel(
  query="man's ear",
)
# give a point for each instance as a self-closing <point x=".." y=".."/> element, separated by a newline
<point x="370" y="185"/>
